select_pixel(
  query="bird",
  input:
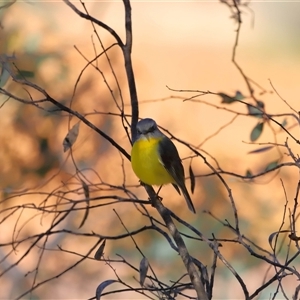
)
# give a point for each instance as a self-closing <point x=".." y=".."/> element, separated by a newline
<point x="155" y="159"/>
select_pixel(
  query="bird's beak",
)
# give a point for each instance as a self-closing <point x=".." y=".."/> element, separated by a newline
<point x="146" y="136"/>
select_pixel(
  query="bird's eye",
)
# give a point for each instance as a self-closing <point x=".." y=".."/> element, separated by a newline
<point x="152" y="128"/>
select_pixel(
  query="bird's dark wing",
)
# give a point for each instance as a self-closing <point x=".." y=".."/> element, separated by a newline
<point x="170" y="159"/>
<point x="176" y="188"/>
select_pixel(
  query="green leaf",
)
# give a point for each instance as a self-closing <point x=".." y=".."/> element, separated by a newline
<point x="24" y="74"/>
<point x="260" y="104"/>
<point x="100" y="251"/>
<point x="256" y="132"/>
<point x="248" y="173"/>
<point x="256" y="111"/>
<point x="86" y="192"/>
<point x="261" y="150"/>
<point x="226" y="99"/>
<point x="271" y="165"/>
<point x="239" y="96"/>
<point x="102" y="286"/>
<point x="4" y="77"/>
<point x="284" y="123"/>
<point x="192" y="176"/>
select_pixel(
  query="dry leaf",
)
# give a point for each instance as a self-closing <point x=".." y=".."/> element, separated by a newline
<point x="102" y="286"/>
<point x="71" y="137"/>
<point x="144" y="264"/>
<point x="100" y="251"/>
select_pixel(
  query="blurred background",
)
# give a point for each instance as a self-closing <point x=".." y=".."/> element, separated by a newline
<point x="176" y="45"/>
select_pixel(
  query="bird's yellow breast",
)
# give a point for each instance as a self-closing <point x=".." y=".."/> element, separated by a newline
<point x="145" y="161"/>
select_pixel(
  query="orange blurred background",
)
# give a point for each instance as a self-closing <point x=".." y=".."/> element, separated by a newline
<point x="180" y="45"/>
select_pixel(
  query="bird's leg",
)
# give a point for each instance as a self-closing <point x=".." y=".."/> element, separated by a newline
<point x="159" y="198"/>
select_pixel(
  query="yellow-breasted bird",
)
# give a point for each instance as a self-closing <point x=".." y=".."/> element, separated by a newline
<point x="155" y="159"/>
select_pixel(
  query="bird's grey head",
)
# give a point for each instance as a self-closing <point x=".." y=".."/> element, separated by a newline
<point x="147" y="128"/>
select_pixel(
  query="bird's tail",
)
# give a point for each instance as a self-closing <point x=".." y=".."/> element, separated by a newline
<point x="188" y="199"/>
